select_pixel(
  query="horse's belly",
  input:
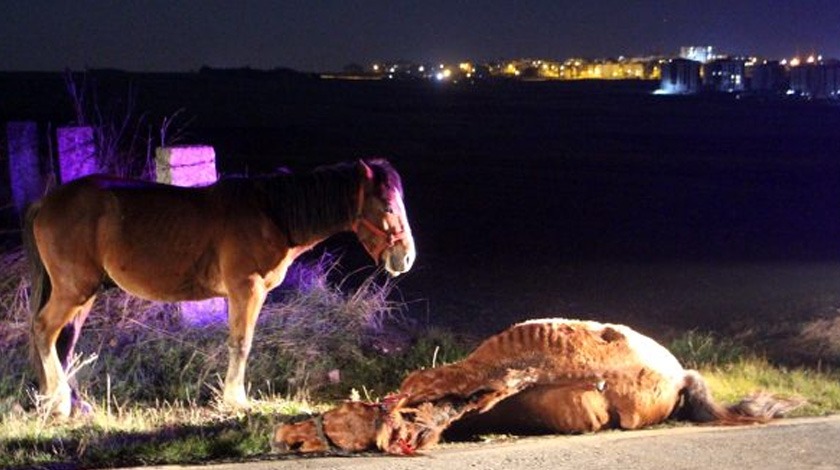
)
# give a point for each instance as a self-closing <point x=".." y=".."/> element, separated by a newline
<point x="565" y="409"/>
<point x="164" y="274"/>
<point x="542" y="410"/>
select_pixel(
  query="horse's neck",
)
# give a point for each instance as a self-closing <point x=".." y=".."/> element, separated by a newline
<point x="311" y="207"/>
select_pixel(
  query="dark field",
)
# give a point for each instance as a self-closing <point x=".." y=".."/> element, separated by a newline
<point x="541" y="199"/>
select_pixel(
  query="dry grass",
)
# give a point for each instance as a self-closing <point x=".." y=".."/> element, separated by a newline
<point x="310" y="334"/>
<point x="154" y="382"/>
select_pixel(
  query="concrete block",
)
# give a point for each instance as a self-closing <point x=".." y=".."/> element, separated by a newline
<point x="186" y="165"/>
<point x="76" y="153"/>
<point x="25" y="176"/>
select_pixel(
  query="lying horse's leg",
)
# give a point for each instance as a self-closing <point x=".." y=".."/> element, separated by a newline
<point x="244" y="307"/>
<point x="46" y="328"/>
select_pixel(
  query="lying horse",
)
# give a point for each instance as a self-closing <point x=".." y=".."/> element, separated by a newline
<point x="234" y="239"/>
<point x="541" y="376"/>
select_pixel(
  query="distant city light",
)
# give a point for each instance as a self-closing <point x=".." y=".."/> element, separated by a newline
<point x="444" y="74"/>
<point x="676" y="75"/>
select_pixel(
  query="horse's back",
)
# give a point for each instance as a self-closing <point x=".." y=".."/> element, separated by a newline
<point x="154" y="240"/>
<point x="574" y="347"/>
<point x="103" y="210"/>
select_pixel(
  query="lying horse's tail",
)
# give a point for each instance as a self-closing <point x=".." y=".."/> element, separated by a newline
<point x="39" y="281"/>
<point x="699" y="406"/>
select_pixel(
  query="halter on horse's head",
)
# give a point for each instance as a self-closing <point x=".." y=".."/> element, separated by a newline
<point x="380" y="220"/>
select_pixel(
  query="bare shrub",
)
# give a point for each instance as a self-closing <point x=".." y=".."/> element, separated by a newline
<point x="125" y="138"/>
<point x="819" y="338"/>
<point x="15" y="377"/>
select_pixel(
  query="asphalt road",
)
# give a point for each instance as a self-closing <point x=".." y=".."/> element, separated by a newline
<point x="785" y="444"/>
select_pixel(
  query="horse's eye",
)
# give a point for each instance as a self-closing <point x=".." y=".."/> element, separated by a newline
<point x="388" y="210"/>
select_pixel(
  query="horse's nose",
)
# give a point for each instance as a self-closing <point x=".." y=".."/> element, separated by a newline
<point x="398" y="261"/>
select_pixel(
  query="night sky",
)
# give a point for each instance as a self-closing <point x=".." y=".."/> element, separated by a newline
<point x="325" y="35"/>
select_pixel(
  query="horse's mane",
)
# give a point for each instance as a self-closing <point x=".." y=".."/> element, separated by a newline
<point x="312" y="204"/>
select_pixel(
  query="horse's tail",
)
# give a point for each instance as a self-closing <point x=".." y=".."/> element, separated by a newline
<point x="699" y="406"/>
<point x="39" y="281"/>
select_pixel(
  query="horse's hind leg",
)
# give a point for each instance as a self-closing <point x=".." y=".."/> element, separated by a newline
<point x="65" y="348"/>
<point x="46" y="330"/>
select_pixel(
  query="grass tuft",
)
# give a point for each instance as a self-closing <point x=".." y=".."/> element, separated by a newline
<point x="695" y="349"/>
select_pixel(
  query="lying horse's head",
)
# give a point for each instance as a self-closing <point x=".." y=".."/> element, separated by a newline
<point x="357" y="426"/>
<point x="381" y="222"/>
<point x="400" y="425"/>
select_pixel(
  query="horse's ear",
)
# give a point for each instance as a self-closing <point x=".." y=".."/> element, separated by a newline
<point x="365" y="171"/>
<point x="394" y="402"/>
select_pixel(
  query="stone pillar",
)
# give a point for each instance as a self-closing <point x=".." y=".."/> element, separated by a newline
<point x="27" y="181"/>
<point x="186" y="165"/>
<point x="191" y="166"/>
<point x="76" y="153"/>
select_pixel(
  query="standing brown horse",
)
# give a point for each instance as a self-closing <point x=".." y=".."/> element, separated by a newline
<point x="234" y="239"/>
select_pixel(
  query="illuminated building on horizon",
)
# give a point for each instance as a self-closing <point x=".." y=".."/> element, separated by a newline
<point x="700" y="54"/>
<point x="680" y="76"/>
<point x="769" y="76"/>
<point x="816" y="79"/>
<point x="724" y="75"/>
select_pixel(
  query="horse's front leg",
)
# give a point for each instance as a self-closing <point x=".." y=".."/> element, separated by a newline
<point x="243" y="309"/>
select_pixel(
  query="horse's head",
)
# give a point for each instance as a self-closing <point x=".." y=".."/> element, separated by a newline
<point x="357" y="426"/>
<point x="381" y="222"/>
<point x="351" y="427"/>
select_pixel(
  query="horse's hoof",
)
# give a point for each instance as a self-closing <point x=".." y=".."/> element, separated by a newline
<point x="54" y="406"/>
<point x="81" y="409"/>
<point x="238" y="405"/>
<point x="61" y="410"/>
<point x="236" y="400"/>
